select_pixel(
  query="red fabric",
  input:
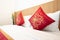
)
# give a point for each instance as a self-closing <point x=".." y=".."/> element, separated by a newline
<point x="40" y="20"/>
<point x="19" y="19"/>
<point x="2" y="37"/>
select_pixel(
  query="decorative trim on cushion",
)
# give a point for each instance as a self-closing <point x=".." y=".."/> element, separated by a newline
<point x="40" y="20"/>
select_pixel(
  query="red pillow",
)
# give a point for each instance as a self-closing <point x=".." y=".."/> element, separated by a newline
<point x="2" y="37"/>
<point x="19" y="19"/>
<point x="40" y="20"/>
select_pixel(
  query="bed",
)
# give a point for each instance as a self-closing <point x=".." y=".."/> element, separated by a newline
<point x="21" y="33"/>
<point x="26" y="32"/>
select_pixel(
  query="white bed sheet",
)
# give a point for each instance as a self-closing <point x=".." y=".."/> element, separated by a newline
<point x="22" y="33"/>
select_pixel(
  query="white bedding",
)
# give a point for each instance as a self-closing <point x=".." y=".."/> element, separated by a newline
<point x="52" y="27"/>
<point x="26" y="32"/>
<point x="22" y="33"/>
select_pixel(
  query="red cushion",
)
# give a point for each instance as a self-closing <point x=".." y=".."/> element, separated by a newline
<point x="2" y="37"/>
<point x="40" y="20"/>
<point x="19" y="19"/>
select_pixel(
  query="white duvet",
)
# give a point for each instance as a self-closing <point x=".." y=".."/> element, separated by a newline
<point x="22" y="33"/>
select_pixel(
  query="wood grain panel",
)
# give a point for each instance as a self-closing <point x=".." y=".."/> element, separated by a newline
<point x="58" y="1"/>
<point x="47" y="7"/>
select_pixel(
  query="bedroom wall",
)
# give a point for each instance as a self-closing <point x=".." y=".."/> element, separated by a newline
<point x="6" y="8"/>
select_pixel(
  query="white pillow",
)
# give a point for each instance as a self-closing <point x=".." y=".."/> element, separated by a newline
<point x="27" y="23"/>
<point x="51" y="27"/>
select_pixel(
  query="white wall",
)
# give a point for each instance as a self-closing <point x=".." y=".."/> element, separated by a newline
<point x="7" y="7"/>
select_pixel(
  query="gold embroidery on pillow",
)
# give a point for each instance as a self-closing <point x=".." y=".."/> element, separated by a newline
<point x="37" y="20"/>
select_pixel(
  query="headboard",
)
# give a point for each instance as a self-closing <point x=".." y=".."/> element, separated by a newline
<point x="49" y="7"/>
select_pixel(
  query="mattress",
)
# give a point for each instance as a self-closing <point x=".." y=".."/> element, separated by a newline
<point x="22" y="33"/>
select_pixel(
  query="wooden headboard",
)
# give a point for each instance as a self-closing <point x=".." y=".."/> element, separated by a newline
<point x="49" y="7"/>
